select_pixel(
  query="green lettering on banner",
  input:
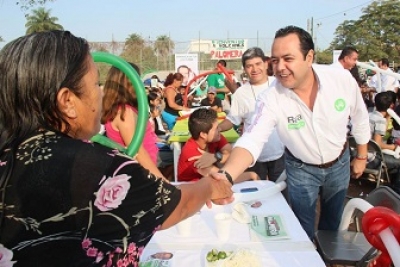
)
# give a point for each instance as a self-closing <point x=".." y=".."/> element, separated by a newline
<point x="296" y="126"/>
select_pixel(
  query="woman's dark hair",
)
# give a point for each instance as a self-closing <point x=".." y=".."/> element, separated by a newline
<point x="171" y="77"/>
<point x="33" y="69"/>
<point x="118" y="91"/>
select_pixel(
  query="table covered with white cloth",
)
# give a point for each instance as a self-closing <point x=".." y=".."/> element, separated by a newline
<point x="295" y="249"/>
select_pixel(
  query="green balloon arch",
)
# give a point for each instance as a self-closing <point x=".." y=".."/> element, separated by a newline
<point x="143" y="108"/>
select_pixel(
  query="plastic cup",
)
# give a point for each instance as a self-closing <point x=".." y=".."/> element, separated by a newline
<point x="185" y="227"/>
<point x="223" y="225"/>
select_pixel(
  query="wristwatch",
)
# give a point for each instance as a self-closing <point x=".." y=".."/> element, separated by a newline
<point x="218" y="156"/>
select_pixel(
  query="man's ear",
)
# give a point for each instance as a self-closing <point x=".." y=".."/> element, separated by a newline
<point x="310" y="56"/>
<point x="66" y="102"/>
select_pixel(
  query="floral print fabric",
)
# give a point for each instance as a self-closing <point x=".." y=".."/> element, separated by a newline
<point x="74" y="203"/>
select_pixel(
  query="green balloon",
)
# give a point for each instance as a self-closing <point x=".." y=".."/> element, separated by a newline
<point x="143" y="107"/>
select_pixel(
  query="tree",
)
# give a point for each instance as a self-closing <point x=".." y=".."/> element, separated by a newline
<point x="133" y="49"/>
<point x="40" y="21"/>
<point x="374" y="34"/>
<point x="1" y="39"/>
<point x="163" y="47"/>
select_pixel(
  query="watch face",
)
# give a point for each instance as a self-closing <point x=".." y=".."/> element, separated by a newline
<point x="218" y="156"/>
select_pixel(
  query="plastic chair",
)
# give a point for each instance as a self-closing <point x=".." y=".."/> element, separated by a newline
<point x="351" y="248"/>
<point x="379" y="173"/>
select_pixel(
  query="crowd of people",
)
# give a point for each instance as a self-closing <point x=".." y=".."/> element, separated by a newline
<point x="67" y="200"/>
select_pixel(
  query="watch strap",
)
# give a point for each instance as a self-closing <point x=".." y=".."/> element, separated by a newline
<point x="228" y="176"/>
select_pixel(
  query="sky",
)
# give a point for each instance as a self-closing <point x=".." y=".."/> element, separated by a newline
<point x="183" y="21"/>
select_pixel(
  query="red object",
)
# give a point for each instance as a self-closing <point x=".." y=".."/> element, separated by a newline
<point x="375" y="221"/>
<point x="186" y="170"/>
<point x="220" y="69"/>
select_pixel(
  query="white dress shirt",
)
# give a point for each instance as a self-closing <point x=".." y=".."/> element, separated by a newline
<point x="317" y="136"/>
<point x="388" y="82"/>
<point x="242" y="110"/>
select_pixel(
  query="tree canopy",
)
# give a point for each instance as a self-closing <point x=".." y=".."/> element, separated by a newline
<point x="40" y="20"/>
<point x="375" y="34"/>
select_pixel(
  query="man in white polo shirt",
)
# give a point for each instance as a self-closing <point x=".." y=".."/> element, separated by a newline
<point x="271" y="162"/>
<point x="309" y="106"/>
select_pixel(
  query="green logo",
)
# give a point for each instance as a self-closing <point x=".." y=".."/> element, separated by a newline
<point x="340" y="104"/>
<point x="297" y="125"/>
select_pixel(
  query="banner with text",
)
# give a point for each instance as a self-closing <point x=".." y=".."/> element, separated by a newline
<point x="228" y="49"/>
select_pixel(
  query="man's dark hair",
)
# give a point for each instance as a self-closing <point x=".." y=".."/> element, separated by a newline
<point x="251" y="53"/>
<point x="222" y="62"/>
<point x="383" y="101"/>
<point x="393" y="96"/>
<point x="306" y="41"/>
<point x="385" y="61"/>
<point x="347" y="51"/>
<point x="201" y="121"/>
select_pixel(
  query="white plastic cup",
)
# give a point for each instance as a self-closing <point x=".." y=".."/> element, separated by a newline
<point x="223" y="225"/>
<point x="185" y="227"/>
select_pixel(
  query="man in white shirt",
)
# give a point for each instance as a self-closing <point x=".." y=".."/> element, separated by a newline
<point x="271" y="163"/>
<point x="309" y="106"/>
<point x="347" y="58"/>
<point x="387" y="82"/>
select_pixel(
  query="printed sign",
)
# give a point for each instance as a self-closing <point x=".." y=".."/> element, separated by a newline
<point x="187" y="65"/>
<point x="228" y="49"/>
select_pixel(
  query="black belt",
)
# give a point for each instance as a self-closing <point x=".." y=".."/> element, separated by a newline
<point x="323" y="165"/>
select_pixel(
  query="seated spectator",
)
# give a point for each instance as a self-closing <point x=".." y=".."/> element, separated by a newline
<point x="200" y="94"/>
<point x="212" y="101"/>
<point x="155" y="100"/>
<point x="66" y="201"/>
<point x="206" y="149"/>
<point x="173" y="99"/>
<point x="378" y="127"/>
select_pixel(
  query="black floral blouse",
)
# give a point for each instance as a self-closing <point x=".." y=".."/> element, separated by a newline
<point x="75" y="203"/>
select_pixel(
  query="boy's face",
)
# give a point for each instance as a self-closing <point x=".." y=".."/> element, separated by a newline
<point x="214" y="134"/>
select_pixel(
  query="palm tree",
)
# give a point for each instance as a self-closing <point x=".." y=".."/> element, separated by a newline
<point x="164" y="46"/>
<point x="133" y="48"/>
<point x="40" y="20"/>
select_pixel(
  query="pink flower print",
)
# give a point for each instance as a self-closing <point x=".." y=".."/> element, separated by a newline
<point x="112" y="192"/>
<point x="86" y="243"/>
<point x="6" y="257"/>
<point x="3" y="163"/>
<point x="118" y="250"/>
<point x="92" y="252"/>
<point x="132" y="248"/>
<point x="99" y="257"/>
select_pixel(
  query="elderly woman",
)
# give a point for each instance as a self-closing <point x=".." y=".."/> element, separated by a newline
<point x="65" y="201"/>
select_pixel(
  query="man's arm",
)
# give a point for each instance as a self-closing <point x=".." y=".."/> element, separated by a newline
<point x="239" y="160"/>
<point x="225" y="125"/>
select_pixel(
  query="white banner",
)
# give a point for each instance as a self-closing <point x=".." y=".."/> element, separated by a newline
<point x="187" y="65"/>
<point x="228" y="49"/>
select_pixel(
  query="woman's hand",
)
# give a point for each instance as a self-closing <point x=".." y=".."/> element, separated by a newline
<point x="222" y="193"/>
